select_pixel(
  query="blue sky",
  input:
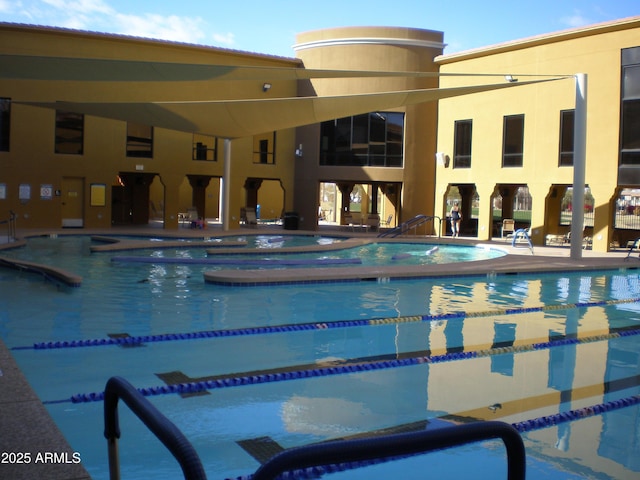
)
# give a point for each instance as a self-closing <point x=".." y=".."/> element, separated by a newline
<point x="270" y="26"/>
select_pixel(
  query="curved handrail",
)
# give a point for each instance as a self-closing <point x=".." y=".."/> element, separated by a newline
<point x="521" y="232"/>
<point x="414" y="222"/>
<point x="337" y="452"/>
<point x="632" y="247"/>
<point x="11" y="225"/>
<point x="172" y="438"/>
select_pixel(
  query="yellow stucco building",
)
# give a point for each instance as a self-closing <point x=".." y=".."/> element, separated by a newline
<point x="498" y="143"/>
<point x="137" y="130"/>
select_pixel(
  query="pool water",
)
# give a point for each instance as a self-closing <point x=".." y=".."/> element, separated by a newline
<point x="518" y="366"/>
<point x="280" y="241"/>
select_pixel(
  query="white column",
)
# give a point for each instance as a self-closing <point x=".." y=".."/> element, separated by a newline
<point x="579" y="161"/>
<point x="226" y="184"/>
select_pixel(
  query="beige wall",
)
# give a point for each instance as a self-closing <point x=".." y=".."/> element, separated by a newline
<point x="377" y="49"/>
<point x="594" y="52"/>
<point x="31" y="159"/>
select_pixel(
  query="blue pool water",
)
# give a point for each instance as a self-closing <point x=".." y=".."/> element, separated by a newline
<point x="516" y="332"/>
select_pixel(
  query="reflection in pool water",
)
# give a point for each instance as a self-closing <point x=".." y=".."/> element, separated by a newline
<point x="406" y="354"/>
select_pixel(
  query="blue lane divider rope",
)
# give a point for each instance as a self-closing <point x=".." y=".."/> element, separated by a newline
<point x="135" y="340"/>
<point x="525" y="426"/>
<point x="200" y="386"/>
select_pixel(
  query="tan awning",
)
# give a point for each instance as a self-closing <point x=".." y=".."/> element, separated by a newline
<point x="240" y="118"/>
<point x="32" y="67"/>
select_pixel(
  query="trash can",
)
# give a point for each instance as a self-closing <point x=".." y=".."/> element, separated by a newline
<point x="291" y="220"/>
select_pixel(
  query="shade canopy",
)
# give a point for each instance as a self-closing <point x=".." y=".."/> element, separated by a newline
<point x="241" y="118"/>
<point x="223" y="118"/>
<point x="34" y="67"/>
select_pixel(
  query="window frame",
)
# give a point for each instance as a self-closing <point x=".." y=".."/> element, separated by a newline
<point x="67" y="124"/>
<point x="629" y="155"/>
<point x="374" y="139"/>
<point x="514" y="158"/>
<point x="566" y="145"/>
<point x="264" y="149"/>
<point x="462" y="143"/>
<point x="201" y="151"/>
<point x="139" y="145"/>
<point x="5" y="124"/>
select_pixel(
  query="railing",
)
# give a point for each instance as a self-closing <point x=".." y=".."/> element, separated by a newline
<point x="11" y="226"/>
<point x="340" y="452"/>
<point x="412" y="224"/>
<point x="326" y="453"/>
<point x="172" y="438"/>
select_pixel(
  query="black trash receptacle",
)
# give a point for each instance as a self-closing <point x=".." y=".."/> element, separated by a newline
<point x="291" y="220"/>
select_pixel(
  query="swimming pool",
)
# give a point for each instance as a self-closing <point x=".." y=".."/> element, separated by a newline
<point x="336" y="361"/>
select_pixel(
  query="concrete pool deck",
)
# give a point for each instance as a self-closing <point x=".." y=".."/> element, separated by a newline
<point x="26" y="427"/>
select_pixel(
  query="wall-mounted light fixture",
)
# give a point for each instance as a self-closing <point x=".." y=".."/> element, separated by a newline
<point x="510" y="78"/>
<point x="266" y="87"/>
<point x="299" y="151"/>
<point x="442" y="159"/>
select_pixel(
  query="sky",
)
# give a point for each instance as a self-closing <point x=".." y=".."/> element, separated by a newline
<point x="270" y="27"/>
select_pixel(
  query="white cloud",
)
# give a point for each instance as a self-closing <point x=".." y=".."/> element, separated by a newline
<point x="101" y="16"/>
<point x="576" y="20"/>
<point x="227" y="39"/>
<point x="172" y="27"/>
<point x="85" y="7"/>
<point x="7" y="6"/>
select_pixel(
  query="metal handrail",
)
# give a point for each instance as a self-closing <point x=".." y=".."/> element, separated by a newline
<point x="172" y="438"/>
<point x="344" y="451"/>
<point x="11" y="226"/>
<point x="632" y="247"/>
<point x="326" y="453"/>
<point x="412" y="223"/>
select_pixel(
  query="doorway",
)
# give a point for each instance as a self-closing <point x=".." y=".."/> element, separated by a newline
<point x="72" y="202"/>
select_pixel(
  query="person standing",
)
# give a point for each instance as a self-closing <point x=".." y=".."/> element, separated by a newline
<point x="456" y="217"/>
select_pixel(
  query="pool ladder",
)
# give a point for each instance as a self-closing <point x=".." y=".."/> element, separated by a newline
<point x="326" y="453"/>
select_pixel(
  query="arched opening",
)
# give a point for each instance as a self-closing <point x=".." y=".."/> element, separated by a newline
<point x="468" y="200"/>
<point x="626" y="220"/>
<point x="511" y="207"/>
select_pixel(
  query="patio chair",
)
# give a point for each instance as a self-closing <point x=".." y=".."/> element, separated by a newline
<point x="508" y="227"/>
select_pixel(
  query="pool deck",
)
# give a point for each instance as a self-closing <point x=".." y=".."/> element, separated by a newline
<point x="27" y="428"/>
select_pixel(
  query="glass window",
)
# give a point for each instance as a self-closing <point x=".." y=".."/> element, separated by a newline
<point x="264" y="148"/>
<point x="205" y="148"/>
<point x="139" y="140"/>
<point x="69" y="133"/>
<point x="630" y="121"/>
<point x="513" y="141"/>
<point x="373" y="139"/>
<point x="631" y="82"/>
<point x="566" y="138"/>
<point x="462" y="144"/>
<point x="5" y="123"/>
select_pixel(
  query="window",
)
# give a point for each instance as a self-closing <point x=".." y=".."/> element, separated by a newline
<point x="264" y="149"/>
<point x="205" y="148"/>
<point x="5" y="123"/>
<point x="139" y="140"/>
<point x="630" y="128"/>
<point x="462" y="144"/>
<point x="513" y="141"/>
<point x="372" y="140"/>
<point x="566" y="138"/>
<point x="69" y="133"/>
